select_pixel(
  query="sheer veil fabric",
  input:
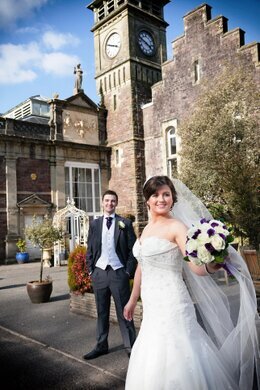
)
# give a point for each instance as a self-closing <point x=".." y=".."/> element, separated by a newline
<point x="233" y="327"/>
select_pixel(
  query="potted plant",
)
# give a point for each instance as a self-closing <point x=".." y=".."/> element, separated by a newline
<point x="22" y="256"/>
<point x="42" y="234"/>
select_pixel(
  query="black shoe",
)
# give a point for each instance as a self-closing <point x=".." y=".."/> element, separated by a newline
<point x="95" y="353"/>
<point x="128" y="351"/>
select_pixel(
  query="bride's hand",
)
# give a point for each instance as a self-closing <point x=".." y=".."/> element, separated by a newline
<point x="129" y="311"/>
<point x="213" y="267"/>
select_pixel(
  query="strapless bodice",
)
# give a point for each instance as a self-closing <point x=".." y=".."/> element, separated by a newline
<point x="158" y="252"/>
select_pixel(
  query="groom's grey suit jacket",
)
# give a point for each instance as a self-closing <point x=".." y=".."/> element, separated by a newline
<point x="124" y="238"/>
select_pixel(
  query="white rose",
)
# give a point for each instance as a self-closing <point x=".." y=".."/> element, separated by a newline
<point x="203" y="238"/>
<point x="191" y="245"/>
<point x="204" y="255"/>
<point x="217" y="242"/>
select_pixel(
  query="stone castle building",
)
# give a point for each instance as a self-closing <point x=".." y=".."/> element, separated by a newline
<point x="133" y="132"/>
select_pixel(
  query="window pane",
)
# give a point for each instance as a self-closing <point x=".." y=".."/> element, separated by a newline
<point x="89" y="205"/>
<point x="97" y="204"/>
<point x="171" y="141"/>
<point x="173" y="146"/>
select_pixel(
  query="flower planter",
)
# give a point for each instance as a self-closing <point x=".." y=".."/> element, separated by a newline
<point x="85" y="304"/>
<point x="39" y="292"/>
<point x="252" y="261"/>
<point x="22" y="257"/>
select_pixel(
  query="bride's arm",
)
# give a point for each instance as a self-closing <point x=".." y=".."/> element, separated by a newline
<point x="130" y="306"/>
<point x="201" y="270"/>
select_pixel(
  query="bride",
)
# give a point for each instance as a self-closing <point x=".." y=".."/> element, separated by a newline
<point x="179" y="347"/>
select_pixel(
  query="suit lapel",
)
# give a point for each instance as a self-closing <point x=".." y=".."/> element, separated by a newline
<point x="99" y="229"/>
<point x="117" y="230"/>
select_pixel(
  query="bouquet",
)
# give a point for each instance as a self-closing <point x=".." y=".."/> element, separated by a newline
<point x="208" y="241"/>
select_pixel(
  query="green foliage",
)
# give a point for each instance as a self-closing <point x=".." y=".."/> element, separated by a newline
<point x="43" y="233"/>
<point x="79" y="280"/>
<point x="21" y="245"/>
<point x="220" y="150"/>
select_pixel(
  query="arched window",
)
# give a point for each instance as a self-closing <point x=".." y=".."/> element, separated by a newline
<point x="171" y="142"/>
<point x="171" y="151"/>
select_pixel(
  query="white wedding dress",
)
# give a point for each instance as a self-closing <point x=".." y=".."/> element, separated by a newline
<point x="172" y="350"/>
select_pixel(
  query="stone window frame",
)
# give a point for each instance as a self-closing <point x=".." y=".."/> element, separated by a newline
<point x="196" y="71"/>
<point x="95" y="183"/>
<point x="118" y="157"/>
<point x="170" y="160"/>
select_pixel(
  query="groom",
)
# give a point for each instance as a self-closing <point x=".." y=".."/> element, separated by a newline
<point x="111" y="263"/>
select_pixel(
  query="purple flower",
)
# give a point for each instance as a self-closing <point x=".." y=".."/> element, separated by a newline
<point x="209" y="247"/>
<point x="214" y="224"/>
<point x="195" y="235"/>
<point x="192" y="254"/>
<point x="211" y="232"/>
<point x="222" y="236"/>
<point x="204" y="220"/>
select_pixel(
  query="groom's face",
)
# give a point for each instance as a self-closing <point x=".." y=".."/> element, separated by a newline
<point x="109" y="204"/>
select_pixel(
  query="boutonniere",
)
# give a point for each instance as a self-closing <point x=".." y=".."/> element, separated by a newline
<point x="121" y="224"/>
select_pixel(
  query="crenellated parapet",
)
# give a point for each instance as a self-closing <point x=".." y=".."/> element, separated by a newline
<point x="205" y="35"/>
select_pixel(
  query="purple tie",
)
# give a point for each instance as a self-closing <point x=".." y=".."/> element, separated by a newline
<point x="109" y="222"/>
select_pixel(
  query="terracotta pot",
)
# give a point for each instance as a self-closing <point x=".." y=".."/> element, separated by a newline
<point x="39" y="292"/>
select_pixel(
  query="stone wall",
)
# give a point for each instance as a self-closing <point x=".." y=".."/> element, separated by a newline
<point x="33" y="175"/>
<point x="207" y="43"/>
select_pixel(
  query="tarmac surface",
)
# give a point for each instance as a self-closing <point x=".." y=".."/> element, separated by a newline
<point x="41" y="345"/>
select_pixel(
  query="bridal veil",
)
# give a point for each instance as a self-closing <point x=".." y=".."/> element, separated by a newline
<point x="228" y="315"/>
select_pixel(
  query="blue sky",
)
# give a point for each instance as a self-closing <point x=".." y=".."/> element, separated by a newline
<point x="42" y="40"/>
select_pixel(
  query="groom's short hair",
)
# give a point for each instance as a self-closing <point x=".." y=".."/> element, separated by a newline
<point x="110" y="192"/>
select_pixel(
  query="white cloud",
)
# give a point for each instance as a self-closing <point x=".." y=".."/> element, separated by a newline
<point x="59" y="64"/>
<point x="17" y="63"/>
<point x="13" y="10"/>
<point x="27" y="30"/>
<point x="55" y="40"/>
<point x="24" y="63"/>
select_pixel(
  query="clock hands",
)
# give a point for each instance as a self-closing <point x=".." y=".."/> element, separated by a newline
<point x="150" y="45"/>
<point x="109" y="44"/>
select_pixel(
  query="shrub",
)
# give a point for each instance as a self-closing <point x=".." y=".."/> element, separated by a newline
<point x="21" y="245"/>
<point x="79" y="280"/>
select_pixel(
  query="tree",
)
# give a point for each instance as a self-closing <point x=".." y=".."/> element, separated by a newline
<point x="43" y="234"/>
<point x="220" y="150"/>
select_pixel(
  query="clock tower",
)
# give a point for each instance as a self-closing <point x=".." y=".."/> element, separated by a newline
<point x="130" y="46"/>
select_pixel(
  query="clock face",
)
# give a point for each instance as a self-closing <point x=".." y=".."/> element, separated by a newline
<point x="113" y="45"/>
<point x="146" y="43"/>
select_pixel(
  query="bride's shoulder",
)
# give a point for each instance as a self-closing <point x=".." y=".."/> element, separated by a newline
<point x="176" y="225"/>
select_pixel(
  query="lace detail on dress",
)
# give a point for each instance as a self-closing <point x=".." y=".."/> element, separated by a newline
<point x="158" y="252"/>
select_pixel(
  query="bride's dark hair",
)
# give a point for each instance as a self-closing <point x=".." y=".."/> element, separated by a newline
<point x="155" y="182"/>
